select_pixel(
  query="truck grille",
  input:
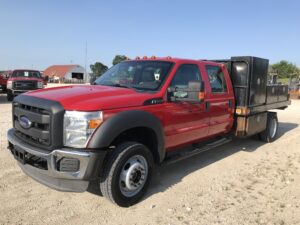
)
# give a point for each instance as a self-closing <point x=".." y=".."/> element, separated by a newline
<point x="43" y="120"/>
<point x="25" y="85"/>
<point x="39" y="131"/>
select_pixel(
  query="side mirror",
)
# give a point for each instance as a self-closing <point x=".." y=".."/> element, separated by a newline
<point x="194" y="92"/>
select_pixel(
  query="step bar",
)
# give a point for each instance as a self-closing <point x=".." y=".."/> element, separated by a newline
<point x="195" y="150"/>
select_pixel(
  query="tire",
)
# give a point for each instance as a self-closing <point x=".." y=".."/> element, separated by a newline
<point x="127" y="166"/>
<point x="270" y="133"/>
<point x="10" y="96"/>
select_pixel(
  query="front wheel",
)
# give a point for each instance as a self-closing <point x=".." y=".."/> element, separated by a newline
<point x="127" y="173"/>
<point x="269" y="134"/>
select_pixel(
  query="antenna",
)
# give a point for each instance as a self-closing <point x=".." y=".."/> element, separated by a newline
<point x="85" y="60"/>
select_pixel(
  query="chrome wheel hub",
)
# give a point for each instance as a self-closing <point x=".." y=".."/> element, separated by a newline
<point x="273" y="128"/>
<point x="133" y="175"/>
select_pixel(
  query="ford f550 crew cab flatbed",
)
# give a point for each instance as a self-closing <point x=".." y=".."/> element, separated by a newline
<point x="139" y="114"/>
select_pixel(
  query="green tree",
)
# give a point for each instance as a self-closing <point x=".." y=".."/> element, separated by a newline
<point x="98" y="69"/>
<point x="118" y="59"/>
<point x="284" y="69"/>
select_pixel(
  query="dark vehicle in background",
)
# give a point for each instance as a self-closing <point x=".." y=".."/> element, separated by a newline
<point x="4" y="75"/>
<point x="22" y="81"/>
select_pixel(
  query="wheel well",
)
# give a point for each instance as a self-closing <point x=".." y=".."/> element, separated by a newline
<point x="143" y="135"/>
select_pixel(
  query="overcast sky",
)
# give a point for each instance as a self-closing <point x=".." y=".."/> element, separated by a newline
<point x="37" y="34"/>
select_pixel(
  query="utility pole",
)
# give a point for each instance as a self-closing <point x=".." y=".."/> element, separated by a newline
<point x="85" y="58"/>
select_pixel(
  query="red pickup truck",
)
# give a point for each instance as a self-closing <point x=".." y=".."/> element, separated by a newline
<point x="139" y="114"/>
<point x="21" y="81"/>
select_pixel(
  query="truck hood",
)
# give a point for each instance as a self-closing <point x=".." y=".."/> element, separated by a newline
<point x="92" y="98"/>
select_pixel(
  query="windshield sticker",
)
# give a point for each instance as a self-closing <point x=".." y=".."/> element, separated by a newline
<point x="26" y="73"/>
<point x="156" y="75"/>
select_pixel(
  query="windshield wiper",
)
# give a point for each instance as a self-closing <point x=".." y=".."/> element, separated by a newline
<point x="116" y="85"/>
<point x="121" y="85"/>
<point x="143" y="88"/>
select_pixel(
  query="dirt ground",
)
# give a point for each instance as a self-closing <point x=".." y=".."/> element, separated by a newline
<point x="243" y="182"/>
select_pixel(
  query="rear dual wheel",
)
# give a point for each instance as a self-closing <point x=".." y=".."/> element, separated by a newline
<point x="269" y="134"/>
<point x="127" y="173"/>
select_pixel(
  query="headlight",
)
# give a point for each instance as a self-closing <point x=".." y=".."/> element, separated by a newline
<point x="79" y="126"/>
<point x="9" y="84"/>
<point x="40" y="84"/>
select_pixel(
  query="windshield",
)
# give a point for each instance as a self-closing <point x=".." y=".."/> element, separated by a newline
<point x="142" y="75"/>
<point x="24" y="73"/>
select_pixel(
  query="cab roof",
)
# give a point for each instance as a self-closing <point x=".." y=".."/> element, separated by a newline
<point x="171" y="59"/>
<point x="31" y="70"/>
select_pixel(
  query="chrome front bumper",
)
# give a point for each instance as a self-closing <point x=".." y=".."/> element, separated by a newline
<point x="76" y="181"/>
<point x="18" y="92"/>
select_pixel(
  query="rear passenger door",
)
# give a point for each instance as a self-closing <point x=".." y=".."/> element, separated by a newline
<point x="219" y="101"/>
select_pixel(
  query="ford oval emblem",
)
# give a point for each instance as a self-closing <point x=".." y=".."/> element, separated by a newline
<point x="25" y="122"/>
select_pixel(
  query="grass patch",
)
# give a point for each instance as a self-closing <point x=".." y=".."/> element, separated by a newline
<point x="283" y="80"/>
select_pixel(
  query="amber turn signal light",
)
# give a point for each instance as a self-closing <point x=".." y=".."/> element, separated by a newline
<point x="93" y="124"/>
<point x="201" y="95"/>
<point x="242" y="111"/>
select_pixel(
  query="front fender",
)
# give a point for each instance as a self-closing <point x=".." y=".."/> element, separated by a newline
<point x="114" y="126"/>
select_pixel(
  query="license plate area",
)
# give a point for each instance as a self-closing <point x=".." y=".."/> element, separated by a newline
<point x="20" y="155"/>
<point x="26" y="158"/>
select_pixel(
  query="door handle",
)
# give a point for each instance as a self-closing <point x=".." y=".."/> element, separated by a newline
<point x="230" y="103"/>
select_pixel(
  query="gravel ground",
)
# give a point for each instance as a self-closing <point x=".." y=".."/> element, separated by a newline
<point x="243" y="182"/>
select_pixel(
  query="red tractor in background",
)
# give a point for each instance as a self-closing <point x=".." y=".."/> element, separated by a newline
<point x="4" y="75"/>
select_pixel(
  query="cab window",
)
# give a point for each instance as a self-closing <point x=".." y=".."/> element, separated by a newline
<point x="216" y="79"/>
<point x="182" y="77"/>
<point x="142" y="75"/>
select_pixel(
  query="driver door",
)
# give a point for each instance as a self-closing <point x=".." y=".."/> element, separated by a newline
<point x="185" y="122"/>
